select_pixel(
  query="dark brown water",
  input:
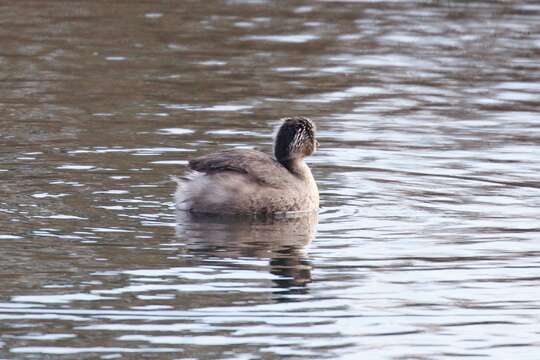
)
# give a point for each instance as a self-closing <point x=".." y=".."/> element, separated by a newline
<point x="427" y="244"/>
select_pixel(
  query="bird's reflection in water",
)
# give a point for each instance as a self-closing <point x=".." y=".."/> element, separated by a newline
<point x="282" y="240"/>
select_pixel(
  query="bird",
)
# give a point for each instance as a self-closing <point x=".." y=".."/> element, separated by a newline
<point x="251" y="182"/>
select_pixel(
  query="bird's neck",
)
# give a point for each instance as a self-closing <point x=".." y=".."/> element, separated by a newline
<point x="298" y="167"/>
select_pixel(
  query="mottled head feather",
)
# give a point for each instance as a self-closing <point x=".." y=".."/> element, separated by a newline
<point x="295" y="139"/>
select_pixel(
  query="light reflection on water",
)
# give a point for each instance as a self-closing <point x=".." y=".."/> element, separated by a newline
<point x="425" y="245"/>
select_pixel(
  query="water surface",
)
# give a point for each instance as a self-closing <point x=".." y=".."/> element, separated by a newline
<point x="426" y="245"/>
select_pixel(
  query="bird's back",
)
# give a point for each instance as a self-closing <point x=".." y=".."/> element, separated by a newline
<point x="260" y="167"/>
<point x="242" y="181"/>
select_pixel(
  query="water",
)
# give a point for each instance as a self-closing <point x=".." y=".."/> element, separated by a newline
<point x="426" y="245"/>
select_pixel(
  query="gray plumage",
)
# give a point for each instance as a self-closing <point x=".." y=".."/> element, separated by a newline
<point x="256" y="165"/>
<point x="241" y="181"/>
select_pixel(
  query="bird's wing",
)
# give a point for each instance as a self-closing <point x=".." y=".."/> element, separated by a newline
<point x="255" y="164"/>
